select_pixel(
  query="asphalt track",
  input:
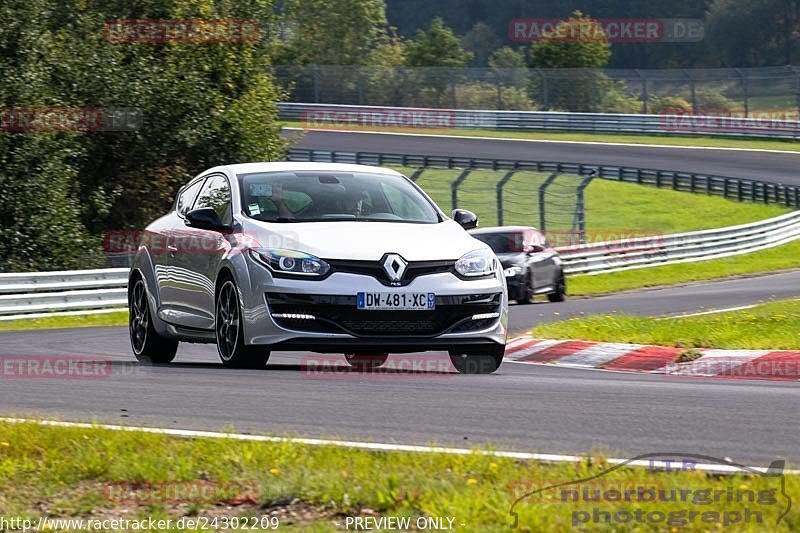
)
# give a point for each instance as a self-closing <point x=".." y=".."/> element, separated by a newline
<point x="522" y="407"/>
<point x="768" y="166"/>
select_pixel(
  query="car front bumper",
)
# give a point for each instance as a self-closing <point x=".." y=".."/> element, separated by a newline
<point x="277" y="311"/>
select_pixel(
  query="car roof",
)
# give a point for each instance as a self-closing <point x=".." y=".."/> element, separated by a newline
<point x="502" y="229"/>
<point x="289" y="166"/>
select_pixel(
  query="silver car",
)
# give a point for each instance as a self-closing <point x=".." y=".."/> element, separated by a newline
<point x="327" y="258"/>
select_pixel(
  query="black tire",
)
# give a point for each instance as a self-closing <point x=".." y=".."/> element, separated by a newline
<point x="147" y="345"/>
<point x="229" y="332"/>
<point x="526" y="291"/>
<point x="365" y="362"/>
<point x="560" y="293"/>
<point x="483" y="363"/>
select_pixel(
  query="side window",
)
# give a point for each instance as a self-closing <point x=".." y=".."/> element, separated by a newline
<point x="186" y="198"/>
<point x="216" y="194"/>
<point x="400" y="204"/>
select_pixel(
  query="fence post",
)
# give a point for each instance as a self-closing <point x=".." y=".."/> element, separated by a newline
<point x="500" y="185"/>
<point x="645" y="96"/>
<point x="315" y="77"/>
<point x="746" y="91"/>
<point x="542" y="190"/>
<point x="454" y="187"/>
<point x="417" y="173"/>
<point x="545" y="90"/>
<point x="580" y="211"/>
<point x="453" y="102"/>
<point x="693" y="89"/>
<point x="360" y="85"/>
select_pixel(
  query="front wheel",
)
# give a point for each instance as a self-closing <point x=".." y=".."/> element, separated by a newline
<point x="230" y="337"/>
<point x="483" y="363"/>
<point x="148" y="346"/>
<point x="560" y="294"/>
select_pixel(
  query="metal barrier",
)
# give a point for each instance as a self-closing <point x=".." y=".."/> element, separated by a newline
<point x="66" y="291"/>
<point x="731" y="188"/>
<point x="38" y="292"/>
<point x="351" y="116"/>
<point x="27" y="294"/>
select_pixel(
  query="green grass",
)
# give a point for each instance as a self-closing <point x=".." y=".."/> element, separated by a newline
<point x="613" y="209"/>
<point x="117" y="318"/>
<point x="713" y="142"/>
<point x="769" y="326"/>
<point x="66" y="472"/>
<point x="764" y="261"/>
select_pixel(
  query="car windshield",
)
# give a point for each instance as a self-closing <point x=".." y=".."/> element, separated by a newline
<point x="318" y="196"/>
<point x="503" y="243"/>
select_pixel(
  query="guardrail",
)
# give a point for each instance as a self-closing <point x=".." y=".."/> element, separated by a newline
<point x="645" y="252"/>
<point x="66" y="291"/>
<point x="731" y="188"/>
<point x="38" y="292"/>
<point x="350" y="116"/>
<point x="31" y="294"/>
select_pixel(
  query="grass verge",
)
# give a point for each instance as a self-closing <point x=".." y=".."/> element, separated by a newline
<point x="117" y="318"/>
<point x="770" y="326"/>
<point x="100" y="474"/>
<point x="613" y="209"/>
<point x="762" y="262"/>
<point x="699" y="140"/>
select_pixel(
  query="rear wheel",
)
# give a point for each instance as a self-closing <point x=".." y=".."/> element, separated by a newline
<point x="478" y="363"/>
<point x="148" y="346"/>
<point x="362" y="362"/>
<point x="230" y="337"/>
<point x="560" y="294"/>
<point x="526" y="291"/>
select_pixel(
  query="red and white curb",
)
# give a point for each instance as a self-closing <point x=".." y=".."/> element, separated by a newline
<point x="781" y="365"/>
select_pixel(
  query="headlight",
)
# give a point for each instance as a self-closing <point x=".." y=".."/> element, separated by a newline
<point x="477" y="263"/>
<point x="291" y="262"/>
<point x="511" y="272"/>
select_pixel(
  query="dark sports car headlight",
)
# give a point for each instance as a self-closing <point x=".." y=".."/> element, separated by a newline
<point x="291" y="262"/>
<point x="477" y="263"/>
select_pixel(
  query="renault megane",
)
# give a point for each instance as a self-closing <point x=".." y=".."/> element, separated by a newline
<point x="329" y="258"/>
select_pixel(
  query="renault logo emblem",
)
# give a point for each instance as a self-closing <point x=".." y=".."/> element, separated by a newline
<point x="394" y="266"/>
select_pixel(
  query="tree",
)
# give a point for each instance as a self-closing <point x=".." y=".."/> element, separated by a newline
<point x="578" y="42"/>
<point x="745" y="33"/>
<point x="331" y="32"/>
<point x="203" y="104"/>
<point x="481" y="40"/>
<point x="437" y="47"/>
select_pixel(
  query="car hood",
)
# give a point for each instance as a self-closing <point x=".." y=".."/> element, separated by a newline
<point x="368" y="241"/>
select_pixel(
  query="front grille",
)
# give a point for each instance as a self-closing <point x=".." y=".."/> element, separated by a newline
<point x="375" y="269"/>
<point x="338" y="314"/>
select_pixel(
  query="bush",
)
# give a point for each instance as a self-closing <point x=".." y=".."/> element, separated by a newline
<point x="668" y="105"/>
<point x="483" y="95"/>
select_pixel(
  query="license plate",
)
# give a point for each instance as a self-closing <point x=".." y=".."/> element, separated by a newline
<point x="396" y="301"/>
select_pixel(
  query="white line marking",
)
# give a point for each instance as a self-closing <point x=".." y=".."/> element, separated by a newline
<point x="597" y="355"/>
<point x="711" y="312"/>
<point x="714" y="362"/>
<point x="553" y="141"/>
<point x="377" y="446"/>
<point x="530" y="350"/>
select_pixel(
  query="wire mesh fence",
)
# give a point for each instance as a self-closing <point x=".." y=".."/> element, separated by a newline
<point x="744" y="92"/>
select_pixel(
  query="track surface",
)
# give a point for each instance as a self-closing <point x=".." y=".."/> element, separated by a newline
<point x="767" y="166"/>
<point x="522" y="407"/>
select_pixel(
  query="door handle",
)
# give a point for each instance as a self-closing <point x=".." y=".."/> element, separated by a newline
<point x="172" y="249"/>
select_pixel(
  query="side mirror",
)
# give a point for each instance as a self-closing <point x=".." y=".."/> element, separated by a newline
<point x="466" y="219"/>
<point x="205" y="218"/>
